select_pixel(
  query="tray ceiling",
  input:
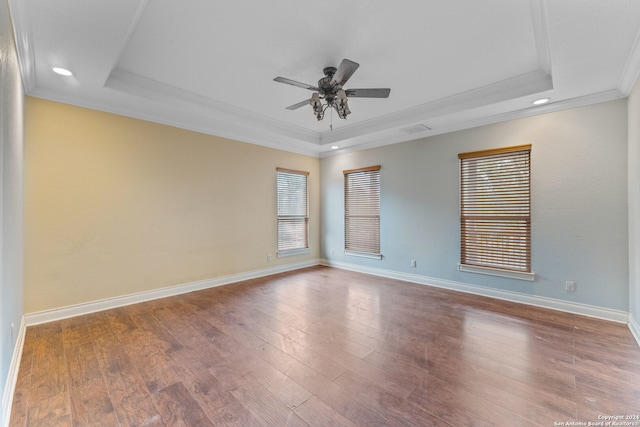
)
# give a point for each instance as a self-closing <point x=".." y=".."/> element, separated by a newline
<point x="209" y="66"/>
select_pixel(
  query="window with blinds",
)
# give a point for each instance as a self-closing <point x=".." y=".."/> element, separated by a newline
<point x="362" y="211"/>
<point x="495" y="210"/>
<point x="293" y="211"/>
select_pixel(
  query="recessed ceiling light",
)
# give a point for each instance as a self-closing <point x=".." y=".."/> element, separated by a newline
<point x="541" y="101"/>
<point x="334" y="147"/>
<point x="62" y="71"/>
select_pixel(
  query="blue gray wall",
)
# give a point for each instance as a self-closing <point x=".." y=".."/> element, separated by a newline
<point x="579" y="205"/>
<point x="634" y="208"/>
<point x="11" y="188"/>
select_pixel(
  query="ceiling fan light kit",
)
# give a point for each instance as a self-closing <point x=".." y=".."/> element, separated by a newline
<point x="330" y="90"/>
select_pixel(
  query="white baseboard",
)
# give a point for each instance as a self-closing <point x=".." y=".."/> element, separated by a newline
<point x="12" y="376"/>
<point x="108" y="303"/>
<point x="635" y="328"/>
<point x="95" y="306"/>
<point x="544" y="302"/>
<point x="105" y="304"/>
<point x="37" y="318"/>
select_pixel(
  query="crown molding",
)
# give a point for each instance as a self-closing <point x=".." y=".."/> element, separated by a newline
<point x="505" y="90"/>
<point x="133" y="95"/>
<point x="142" y="8"/>
<point x="187" y="120"/>
<point x="530" y="83"/>
<point x="145" y="87"/>
<point x="23" y="37"/>
<point x="541" y="34"/>
<point x="631" y="69"/>
<point x="597" y="98"/>
<point x="183" y="109"/>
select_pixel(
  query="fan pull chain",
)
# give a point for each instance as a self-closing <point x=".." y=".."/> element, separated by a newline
<point x="331" y="124"/>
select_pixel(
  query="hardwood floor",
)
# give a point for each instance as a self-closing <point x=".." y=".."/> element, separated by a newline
<point x="326" y="347"/>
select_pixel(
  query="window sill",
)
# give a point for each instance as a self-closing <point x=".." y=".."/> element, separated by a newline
<point x="497" y="272"/>
<point x="363" y="254"/>
<point x="292" y="252"/>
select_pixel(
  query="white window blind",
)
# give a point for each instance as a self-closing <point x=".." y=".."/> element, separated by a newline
<point x="362" y="211"/>
<point x="293" y="210"/>
<point x="495" y="209"/>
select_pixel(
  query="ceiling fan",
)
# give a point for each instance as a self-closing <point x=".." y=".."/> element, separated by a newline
<point x="330" y="89"/>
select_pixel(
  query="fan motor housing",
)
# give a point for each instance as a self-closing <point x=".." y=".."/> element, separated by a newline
<point x="324" y="84"/>
<point x="329" y="71"/>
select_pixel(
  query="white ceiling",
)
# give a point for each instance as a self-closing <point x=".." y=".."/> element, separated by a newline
<point x="209" y="65"/>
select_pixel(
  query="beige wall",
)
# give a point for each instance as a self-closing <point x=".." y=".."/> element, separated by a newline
<point x="115" y="206"/>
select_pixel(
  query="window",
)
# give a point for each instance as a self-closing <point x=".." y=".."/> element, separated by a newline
<point x="293" y="212"/>
<point x="362" y="212"/>
<point x="495" y="212"/>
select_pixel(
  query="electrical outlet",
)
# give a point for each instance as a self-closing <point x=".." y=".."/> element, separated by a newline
<point x="269" y="258"/>
<point x="332" y="252"/>
<point x="413" y="263"/>
<point x="570" y="286"/>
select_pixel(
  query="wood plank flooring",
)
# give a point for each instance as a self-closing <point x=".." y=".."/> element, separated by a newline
<point x="326" y="347"/>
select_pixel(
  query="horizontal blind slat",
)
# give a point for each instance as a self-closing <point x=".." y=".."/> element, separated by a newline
<point x="495" y="209"/>
<point x="362" y="210"/>
<point x="292" y="207"/>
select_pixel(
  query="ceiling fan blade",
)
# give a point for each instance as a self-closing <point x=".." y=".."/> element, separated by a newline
<point x="368" y="93"/>
<point x="344" y="72"/>
<point x="298" y="105"/>
<point x="295" y="83"/>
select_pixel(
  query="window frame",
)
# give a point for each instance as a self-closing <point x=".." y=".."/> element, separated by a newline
<point x="495" y="224"/>
<point x="369" y="212"/>
<point x="291" y="217"/>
